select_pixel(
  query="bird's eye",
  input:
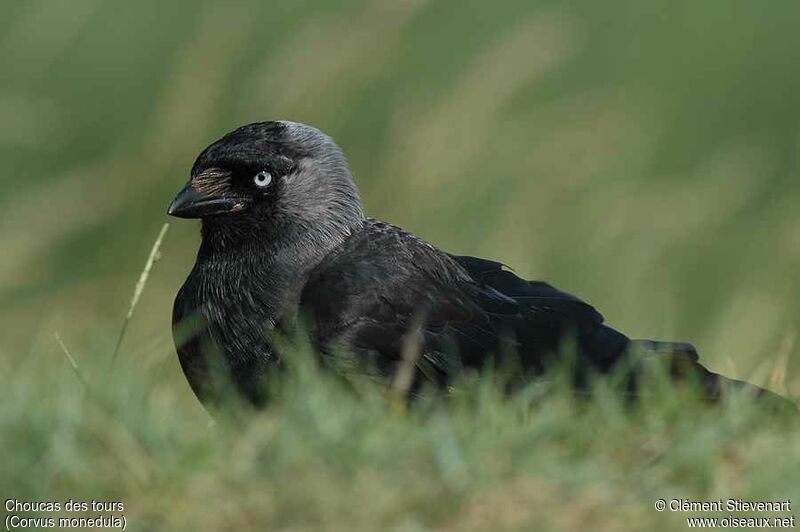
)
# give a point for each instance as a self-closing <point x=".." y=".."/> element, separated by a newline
<point x="262" y="179"/>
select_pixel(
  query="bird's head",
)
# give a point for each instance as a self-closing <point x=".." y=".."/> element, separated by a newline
<point x="271" y="176"/>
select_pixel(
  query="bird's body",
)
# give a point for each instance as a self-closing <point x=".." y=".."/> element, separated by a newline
<point x="300" y="245"/>
<point x="383" y="284"/>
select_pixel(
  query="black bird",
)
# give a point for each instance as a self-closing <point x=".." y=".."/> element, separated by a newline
<point x="284" y="233"/>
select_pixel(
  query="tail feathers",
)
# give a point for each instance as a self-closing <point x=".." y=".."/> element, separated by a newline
<point x="682" y="363"/>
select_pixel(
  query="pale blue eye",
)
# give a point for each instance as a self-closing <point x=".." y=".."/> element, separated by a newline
<point x="262" y="179"/>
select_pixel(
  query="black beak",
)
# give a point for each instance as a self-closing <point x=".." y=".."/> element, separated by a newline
<point x="189" y="203"/>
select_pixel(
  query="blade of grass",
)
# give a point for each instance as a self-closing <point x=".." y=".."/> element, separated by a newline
<point x="777" y="378"/>
<point x="412" y="351"/>
<point x="71" y="360"/>
<point x="154" y="256"/>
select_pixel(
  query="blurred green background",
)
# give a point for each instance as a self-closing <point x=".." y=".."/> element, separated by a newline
<point x="643" y="155"/>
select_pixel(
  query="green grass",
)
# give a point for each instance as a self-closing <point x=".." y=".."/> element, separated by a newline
<point x="643" y="155"/>
<point x="330" y="456"/>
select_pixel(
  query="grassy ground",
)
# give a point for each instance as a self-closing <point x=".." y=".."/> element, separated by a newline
<point x="325" y="456"/>
<point x="643" y="155"/>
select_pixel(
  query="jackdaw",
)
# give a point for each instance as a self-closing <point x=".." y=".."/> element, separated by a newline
<point x="284" y="234"/>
